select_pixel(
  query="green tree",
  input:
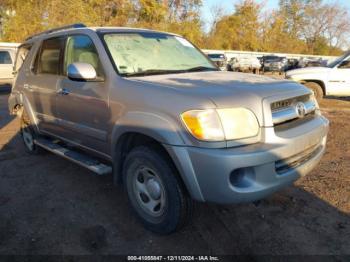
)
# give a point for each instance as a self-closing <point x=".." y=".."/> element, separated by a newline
<point x="240" y="31"/>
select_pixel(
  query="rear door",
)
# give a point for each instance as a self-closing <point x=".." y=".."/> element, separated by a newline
<point x="40" y="84"/>
<point x="83" y="106"/>
<point x="339" y="79"/>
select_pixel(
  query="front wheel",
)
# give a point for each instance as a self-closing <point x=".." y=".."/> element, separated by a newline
<point x="155" y="190"/>
<point x="316" y="88"/>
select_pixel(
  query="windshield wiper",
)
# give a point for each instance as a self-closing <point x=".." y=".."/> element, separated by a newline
<point x="201" y="68"/>
<point x="152" y="72"/>
<point x="163" y="71"/>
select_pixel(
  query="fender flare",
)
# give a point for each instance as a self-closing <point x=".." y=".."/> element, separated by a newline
<point x="21" y="100"/>
<point x="153" y="125"/>
<point x="162" y="130"/>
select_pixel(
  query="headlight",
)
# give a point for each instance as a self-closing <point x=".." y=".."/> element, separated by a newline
<point x="221" y="124"/>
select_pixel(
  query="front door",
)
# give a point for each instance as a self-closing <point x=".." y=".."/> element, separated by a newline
<point x="83" y="105"/>
<point x="339" y="79"/>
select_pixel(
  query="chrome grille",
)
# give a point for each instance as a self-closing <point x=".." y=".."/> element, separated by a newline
<point x="278" y="105"/>
<point x="292" y="109"/>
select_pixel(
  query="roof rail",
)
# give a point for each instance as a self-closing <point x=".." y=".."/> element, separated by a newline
<point x="56" y="30"/>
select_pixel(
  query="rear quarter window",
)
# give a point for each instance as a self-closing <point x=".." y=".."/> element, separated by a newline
<point x="50" y="56"/>
<point x="21" y="56"/>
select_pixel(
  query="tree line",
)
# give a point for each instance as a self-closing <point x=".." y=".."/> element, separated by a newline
<point x="296" y="26"/>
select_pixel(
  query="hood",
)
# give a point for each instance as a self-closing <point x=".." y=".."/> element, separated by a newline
<point x="309" y="70"/>
<point x="226" y="89"/>
<point x="218" y="85"/>
<point x="223" y="89"/>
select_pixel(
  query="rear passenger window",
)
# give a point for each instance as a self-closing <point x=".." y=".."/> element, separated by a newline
<point x="80" y="48"/>
<point x="5" y="58"/>
<point x="50" y="56"/>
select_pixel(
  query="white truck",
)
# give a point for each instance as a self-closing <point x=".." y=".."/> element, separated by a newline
<point x="333" y="80"/>
<point x="245" y="64"/>
<point x="7" y="57"/>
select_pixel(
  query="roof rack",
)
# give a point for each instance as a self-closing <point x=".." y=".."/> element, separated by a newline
<point x="72" y="26"/>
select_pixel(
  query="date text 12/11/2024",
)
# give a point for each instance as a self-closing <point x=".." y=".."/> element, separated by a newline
<point x="173" y="258"/>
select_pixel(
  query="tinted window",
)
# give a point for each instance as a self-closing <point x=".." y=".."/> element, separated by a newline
<point x="80" y="48"/>
<point x="216" y="56"/>
<point x="50" y="55"/>
<point x="5" y="57"/>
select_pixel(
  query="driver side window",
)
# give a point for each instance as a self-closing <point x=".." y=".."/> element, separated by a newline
<point x="80" y="48"/>
<point x="344" y="64"/>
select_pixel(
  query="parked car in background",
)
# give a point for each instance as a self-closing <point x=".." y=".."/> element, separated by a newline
<point x="333" y="79"/>
<point x="311" y="62"/>
<point x="274" y="64"/>
<point x="292" y="63"/>
<point x="244" y="64"/>
<point x="150" y="109"/>
<point x="220" y="60"/>
<point x="7" y="57"/>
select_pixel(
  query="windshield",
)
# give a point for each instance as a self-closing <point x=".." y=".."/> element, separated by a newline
<point x="154" y="53"/>
<point x="273" y="58"/>
<point x="338" y="60"/>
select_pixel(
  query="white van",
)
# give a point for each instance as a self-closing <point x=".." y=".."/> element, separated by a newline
<point x="7" y="58"/>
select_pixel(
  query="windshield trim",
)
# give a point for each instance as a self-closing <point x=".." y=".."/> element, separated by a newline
<point x="338" y="60"/>
<point x="102" y="34"/>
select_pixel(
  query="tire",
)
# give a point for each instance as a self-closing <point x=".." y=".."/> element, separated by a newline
<point x="28" y="135"/>
<point x="316" y="88"/>
<point x="155" y="191"/>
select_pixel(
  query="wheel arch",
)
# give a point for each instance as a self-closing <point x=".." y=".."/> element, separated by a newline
<point x="317" y="81"/>
<point x="126" y="142"/>
<point x="18" y="102"/>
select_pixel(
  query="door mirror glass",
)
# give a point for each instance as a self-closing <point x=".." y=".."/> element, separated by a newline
<point x="81" y="71"/>
<point x="344" y="64"/>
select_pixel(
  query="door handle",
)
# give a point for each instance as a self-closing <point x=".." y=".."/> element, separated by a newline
<point x="63" y="91"/>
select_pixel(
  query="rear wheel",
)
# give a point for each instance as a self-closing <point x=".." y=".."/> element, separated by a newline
<point x="155" y="191"/>
<point x="316" y="88"/>
<point x="28" y="134"/>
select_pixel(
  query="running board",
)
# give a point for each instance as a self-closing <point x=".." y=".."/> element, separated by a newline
<point x="74" y="156"/>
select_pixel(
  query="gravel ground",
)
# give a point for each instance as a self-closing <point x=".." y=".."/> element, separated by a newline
<point x="51" y="206"/>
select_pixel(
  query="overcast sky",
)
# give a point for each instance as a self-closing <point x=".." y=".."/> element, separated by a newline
<point x="228" y="5"/>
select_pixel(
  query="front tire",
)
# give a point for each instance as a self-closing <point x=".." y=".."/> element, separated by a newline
<point x="316" y="88"/>
<point x="155" y="190"/>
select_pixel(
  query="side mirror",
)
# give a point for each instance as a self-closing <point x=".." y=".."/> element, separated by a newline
<point x="81" y="71"/>
<point x="344" y="64"/>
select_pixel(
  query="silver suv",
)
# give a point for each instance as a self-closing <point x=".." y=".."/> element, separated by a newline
<point x="150" y="108"/>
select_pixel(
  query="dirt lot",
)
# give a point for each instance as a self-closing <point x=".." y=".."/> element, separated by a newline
<point x="51" y="206"/>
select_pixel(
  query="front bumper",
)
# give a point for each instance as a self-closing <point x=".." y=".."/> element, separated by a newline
<point x="249" y="173"/>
